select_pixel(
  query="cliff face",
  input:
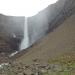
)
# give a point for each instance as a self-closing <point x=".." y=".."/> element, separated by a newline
<point x="49" y="19"/>
<point x="56" y="43"/>
<point x="11" y="24"/>
<point x="11" y="33"/>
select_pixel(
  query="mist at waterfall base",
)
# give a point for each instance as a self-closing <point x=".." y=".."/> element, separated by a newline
<point x="27" y="8"/>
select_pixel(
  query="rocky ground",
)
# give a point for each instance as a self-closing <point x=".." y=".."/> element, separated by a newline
<point x="63" y="65"/>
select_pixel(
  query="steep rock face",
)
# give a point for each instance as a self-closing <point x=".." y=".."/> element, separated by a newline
<point x="11" y="25"/>
<point x="50" y="18"/>
<point x="40" y="24"/>
<point x="11" y="33"/>
<point x="58" y="42"/>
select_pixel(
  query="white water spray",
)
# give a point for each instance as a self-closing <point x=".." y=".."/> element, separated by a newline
<point x="25" y="41"/>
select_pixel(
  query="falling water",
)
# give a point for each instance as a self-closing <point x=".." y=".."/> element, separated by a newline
<point x="25" y="41"/>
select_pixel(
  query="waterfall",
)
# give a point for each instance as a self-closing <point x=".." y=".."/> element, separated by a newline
<point x="25" y="41"/>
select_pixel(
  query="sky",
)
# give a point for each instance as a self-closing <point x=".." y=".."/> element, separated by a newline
<point x="23" y="7"/>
